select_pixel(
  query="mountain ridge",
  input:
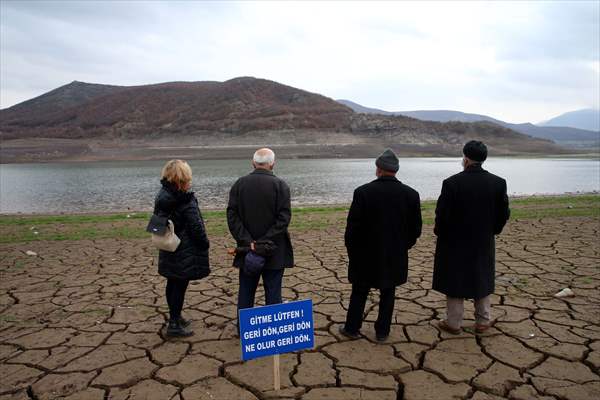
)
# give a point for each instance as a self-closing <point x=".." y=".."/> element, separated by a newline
<point x="573" y="137"/>
<point x="587" y="119"/>
<point x="93" y="121"/>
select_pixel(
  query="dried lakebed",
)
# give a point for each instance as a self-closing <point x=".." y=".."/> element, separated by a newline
<point x="83" y="318"/>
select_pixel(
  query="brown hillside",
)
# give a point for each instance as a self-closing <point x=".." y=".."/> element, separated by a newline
<point x="82" y="121"/>
<point x="235" y="106"/>
<point x="38" y="110"/>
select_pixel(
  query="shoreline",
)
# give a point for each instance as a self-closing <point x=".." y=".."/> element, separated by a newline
<point x="43" y="228"/>
<point x="291" y="145"/>
<point x="592" y="155"/>
<point x="316" y="207"/>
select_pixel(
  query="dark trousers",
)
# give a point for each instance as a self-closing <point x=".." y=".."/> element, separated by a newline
<point x="175" y="295"/>
<point x="358" y="298"/>
<point x="271" y="281"/>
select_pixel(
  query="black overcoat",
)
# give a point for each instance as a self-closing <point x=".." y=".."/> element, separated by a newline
<point x="259" y="208"/>
<point x="190" y="260"/>
<point x="472" y="208"/>
<point x="384" y="221"/>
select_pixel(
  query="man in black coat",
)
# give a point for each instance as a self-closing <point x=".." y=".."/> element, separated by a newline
<point x="383" y="223"/>
<point x="472" y="208"/>
<point x="259" y="209"/>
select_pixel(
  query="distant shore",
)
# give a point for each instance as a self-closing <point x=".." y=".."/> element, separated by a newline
<point x="44" y="150"/>
<point x="284" y="156"/>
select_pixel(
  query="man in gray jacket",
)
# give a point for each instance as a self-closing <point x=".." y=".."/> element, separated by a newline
<point x="259" y="210"/>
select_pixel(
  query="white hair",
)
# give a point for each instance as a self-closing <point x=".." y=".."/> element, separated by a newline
<point x="264" y="157"/>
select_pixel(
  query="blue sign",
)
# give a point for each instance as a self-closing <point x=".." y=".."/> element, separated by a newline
<point x="276" y="329"/>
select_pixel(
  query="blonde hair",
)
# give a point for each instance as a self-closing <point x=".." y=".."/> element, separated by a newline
<point x="178" y="172"/>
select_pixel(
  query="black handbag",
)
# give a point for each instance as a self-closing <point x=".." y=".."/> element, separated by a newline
<point x="157" y="225"/>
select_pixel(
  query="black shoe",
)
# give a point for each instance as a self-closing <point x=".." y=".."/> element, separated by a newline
<point x="381" y="338"/>
<point x="184" y="322"/>
<point x="351" y="335"/>
<point x="175" y="329"/>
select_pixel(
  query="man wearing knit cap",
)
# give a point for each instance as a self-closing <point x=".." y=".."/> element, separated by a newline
<point x="384" y="222"/>
<point x="472" y="208"/>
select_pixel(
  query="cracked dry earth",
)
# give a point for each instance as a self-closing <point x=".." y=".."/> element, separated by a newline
<point x="84" y="320"/>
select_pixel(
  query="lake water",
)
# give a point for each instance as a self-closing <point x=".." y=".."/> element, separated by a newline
<point x="132" y="185"/>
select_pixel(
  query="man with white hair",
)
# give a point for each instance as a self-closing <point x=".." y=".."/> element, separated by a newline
<point x="259" y="212"/>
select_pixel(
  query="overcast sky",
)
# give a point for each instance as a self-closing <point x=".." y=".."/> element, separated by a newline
<point x="516" y="61"/>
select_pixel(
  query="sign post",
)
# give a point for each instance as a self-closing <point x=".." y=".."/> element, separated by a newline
<point x="276" y="378"/>
<point x="276" y="329"/>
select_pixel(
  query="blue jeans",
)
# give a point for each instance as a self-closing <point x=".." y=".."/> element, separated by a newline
<point x="271" y="281"/>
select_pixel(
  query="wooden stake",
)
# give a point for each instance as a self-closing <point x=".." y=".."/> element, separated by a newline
<point x="276" y="379"/>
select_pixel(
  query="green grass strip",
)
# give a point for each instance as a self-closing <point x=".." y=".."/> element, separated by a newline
<point x="21" y="229"/>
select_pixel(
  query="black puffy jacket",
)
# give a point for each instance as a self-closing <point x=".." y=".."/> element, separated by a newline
<point x="190" y="260"/>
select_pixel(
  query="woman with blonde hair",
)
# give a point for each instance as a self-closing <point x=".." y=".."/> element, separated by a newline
<point x="189" y="261"/>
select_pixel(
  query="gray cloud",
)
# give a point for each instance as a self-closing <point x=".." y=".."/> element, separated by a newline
<point x="555" y="30"/>
<point x="518" y="61"/>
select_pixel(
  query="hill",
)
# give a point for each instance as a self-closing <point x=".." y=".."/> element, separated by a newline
<point x="587" y="119"/>
<point x="57" y="100"/>
<point x="563" y="135"/>
<point x="235" y="106"/>
<point x="82" y="121"/>
<point x="365" y="110"/>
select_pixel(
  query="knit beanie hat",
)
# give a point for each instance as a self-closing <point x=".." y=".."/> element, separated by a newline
<point x="387" y="161"/>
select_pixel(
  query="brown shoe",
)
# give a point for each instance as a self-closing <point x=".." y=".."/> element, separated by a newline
<point x="482" y="328"/>
<point x="443" y="325"/>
